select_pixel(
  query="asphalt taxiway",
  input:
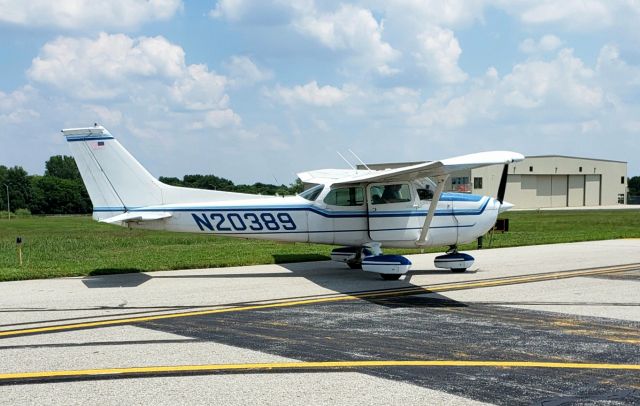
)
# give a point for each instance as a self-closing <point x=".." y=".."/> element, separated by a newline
<point x="549" y="324"/>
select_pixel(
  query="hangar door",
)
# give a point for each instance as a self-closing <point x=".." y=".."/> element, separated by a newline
<point x="534" y="191"/>
<point x="558" y="191"/>
<point x="576" y="191"/>
<point x="551" y="190"/>
<point x="543" y="189"/>
<point x="592" y="190"/>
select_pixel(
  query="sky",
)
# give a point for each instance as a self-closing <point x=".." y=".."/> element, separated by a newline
<point x="260" y="90"/>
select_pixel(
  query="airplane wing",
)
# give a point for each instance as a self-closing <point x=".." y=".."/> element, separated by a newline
<point x="434" y="169"/>
<point x="324" y="176"/>
<point x="137" y="216"/>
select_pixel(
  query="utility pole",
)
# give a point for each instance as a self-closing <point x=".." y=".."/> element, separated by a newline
<point x="8" y="203"/>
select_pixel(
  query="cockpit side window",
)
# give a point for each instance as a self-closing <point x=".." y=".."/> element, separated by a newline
<point x="346" y="196"/>
<point x="312" y="193"/>
<point x="383" y="194"/>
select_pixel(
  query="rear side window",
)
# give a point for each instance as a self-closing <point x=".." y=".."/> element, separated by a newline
<point x="348" y="196"/>
<point x="384" y="194"/>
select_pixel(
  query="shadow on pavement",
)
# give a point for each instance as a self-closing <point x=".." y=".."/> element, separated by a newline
<point x="122" y="280"/>
<point x="333" y="276"/>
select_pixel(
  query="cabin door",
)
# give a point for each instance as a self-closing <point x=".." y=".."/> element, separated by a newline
<point x="393" y="212"/>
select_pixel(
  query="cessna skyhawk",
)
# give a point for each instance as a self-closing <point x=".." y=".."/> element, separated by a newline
<point x="362" y="210"/>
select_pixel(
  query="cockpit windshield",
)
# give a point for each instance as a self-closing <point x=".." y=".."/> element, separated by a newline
<point x="312" y="193"/>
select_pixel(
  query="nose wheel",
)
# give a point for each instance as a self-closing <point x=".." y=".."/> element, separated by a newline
<point x="456" y="262"/>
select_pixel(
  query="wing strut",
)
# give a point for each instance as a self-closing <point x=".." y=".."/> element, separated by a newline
<point x="432" y="210"/>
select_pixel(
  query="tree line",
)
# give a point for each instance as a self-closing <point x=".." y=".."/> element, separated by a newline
<point x="634" y="186"/>
<point x="213" y="182"/>
<point x="61" y="190"/>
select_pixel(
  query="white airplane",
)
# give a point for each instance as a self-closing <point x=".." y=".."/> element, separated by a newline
<point x="363" y="210"/>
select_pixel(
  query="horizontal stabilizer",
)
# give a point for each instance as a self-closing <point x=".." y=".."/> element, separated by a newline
<point x="137" y="216"/>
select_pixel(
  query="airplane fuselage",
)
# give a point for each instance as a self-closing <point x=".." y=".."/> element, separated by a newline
<point x="459" y="218"/>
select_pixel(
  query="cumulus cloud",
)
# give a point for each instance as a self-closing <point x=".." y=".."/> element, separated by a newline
<point x="244" y="72"/>
<point x="562" y="86"/>
<point x="438" y="53"/>
<point x="107" y="66"/>
<point x="199" y="89"/>
<point x="349" y="29"/>
<point x="353" y="29"/>
<point x="221" y="119"/>
<point x="105" y="114"/>
<point x="580" y="12"/>
<point x="546" y="43"/>
<point x="264" y="12"/>
<point x="117" y="66"/>
<point x="232" y="10"/>
<point x="87" y="14"/>
<point x="564" y="80"/>
<point x="148" y="75"/>
<point x="15" y="106"/>
<point x="451" y="13"/>
<point x="310" y="94"/>
<point x="444" y="110"/>
<point x="578" y="15"/>
<point x="573" y="14"/>
<point x="616" y="73"/>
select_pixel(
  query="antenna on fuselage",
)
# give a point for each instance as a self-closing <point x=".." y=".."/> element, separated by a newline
<point x="345" y="159"/>
<point x="360" y="160"/>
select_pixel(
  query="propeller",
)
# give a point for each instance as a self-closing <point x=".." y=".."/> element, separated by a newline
<point x="502" y="188"/>
<point x="503" y="183"/>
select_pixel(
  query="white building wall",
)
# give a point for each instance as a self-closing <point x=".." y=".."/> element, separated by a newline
<point x="556" y="181"/>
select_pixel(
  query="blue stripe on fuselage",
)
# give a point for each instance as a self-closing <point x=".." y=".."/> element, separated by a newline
<point x="322" y="212"/>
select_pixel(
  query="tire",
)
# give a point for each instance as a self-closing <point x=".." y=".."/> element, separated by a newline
<point x="354" y="265"/>
<point x="390" y="276"/>
<point x="458" y="270"/>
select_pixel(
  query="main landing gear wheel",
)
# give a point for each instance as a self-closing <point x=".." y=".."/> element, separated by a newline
<point x="458" y="270"/>
<point x="390" y="276"/>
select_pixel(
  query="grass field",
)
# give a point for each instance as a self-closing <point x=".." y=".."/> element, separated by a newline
<point x="76" y="245"/>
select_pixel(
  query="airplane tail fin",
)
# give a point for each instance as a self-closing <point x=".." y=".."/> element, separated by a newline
<point x="117" y="182"/>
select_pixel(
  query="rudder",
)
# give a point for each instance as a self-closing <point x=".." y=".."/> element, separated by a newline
<point x="115" y="180"/>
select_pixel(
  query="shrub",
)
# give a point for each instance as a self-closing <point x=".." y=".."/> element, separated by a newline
<point x="23" y="213"/>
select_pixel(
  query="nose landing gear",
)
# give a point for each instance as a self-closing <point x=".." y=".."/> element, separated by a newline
<point x="453" y="260"/>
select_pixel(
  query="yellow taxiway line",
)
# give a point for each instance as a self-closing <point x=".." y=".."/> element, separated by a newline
<point x="422" y="289"/>
<point x="288" y="366"/>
